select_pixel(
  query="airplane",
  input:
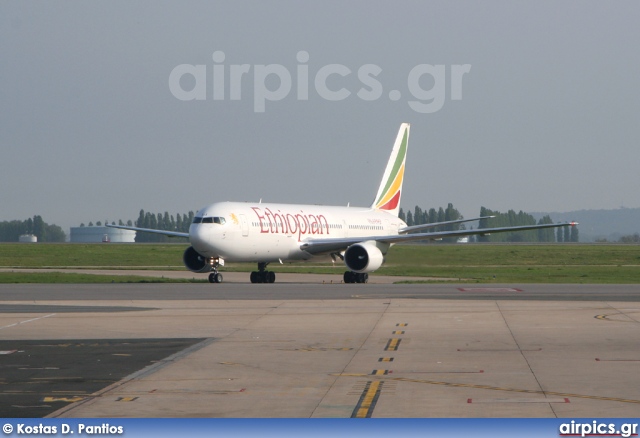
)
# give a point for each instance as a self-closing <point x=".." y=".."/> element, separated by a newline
<point x="265" y="233"/>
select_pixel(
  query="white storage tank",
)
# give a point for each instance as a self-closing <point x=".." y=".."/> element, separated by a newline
<point x="28" y="238"/>
<point x="101" y="234"/>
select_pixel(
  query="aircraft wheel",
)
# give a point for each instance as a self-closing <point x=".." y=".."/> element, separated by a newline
<point x="215" y="277"/>
<point x="349" y="277"/>
<point x="254" y="277"/>
<point x="271" y="277"/>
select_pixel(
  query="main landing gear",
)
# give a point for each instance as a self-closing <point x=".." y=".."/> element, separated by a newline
<point x="355" y="277"/>
<point x="262" y="275"/>
<point x="215" y="276"/>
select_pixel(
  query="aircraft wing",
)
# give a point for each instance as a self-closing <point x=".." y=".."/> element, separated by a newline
<point x="151" y="230"/>
<point x="406" y="230"/>
<point x="320" y="246"/>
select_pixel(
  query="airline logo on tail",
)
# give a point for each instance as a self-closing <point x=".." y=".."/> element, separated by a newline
<point x="390" y="190"/>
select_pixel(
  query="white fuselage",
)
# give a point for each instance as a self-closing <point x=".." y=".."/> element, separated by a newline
<point x="261" y="232"/>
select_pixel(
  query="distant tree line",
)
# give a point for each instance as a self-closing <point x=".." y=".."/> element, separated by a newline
<point x="99" y="224"/>
<point x="166" y="222"/>
<point x="513" y="219"/>
<point x="634" y="238"/>
<point x="631" y="238"/>
<point x="509" y="219"/>
<point x="10" y="231"/>
<point x="420" y="216"/>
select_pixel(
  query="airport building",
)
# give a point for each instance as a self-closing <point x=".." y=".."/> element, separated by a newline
<point x="101" y="234"/>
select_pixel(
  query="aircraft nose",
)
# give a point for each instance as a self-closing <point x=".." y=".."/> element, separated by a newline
<point x="199" y="238"/>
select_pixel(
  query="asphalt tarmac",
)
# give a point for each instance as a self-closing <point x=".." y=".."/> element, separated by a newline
<point x="42" y="376"/>
<point x="304" y="350"/>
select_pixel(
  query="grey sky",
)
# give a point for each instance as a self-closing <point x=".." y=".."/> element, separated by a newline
<point x="89" y="129"/>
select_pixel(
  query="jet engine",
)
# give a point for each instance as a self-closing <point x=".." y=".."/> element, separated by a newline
<point x="363" y="257"/>
<point x="195" y="262"/>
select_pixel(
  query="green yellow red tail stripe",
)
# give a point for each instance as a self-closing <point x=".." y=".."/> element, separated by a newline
<point x="390" y="190"/>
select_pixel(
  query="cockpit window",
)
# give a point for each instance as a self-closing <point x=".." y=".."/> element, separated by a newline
<point x="209" y="220"/>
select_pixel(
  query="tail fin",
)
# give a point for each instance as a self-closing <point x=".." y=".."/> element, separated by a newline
<point x="390" y="190"/>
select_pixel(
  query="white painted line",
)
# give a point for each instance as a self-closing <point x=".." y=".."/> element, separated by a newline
<point x="519" y="400"/>
<point x="26" y="321"/>
<point x="489" y="289"/>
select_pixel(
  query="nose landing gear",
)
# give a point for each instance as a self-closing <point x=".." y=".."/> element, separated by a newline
<point x="215" y="276"/>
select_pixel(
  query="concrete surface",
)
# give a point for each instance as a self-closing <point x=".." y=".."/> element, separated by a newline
<point x="361" y="355"/>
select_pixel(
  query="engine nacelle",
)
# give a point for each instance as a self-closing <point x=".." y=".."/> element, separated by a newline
<point x="363" y="257"/>
<point x="195" y="262"/>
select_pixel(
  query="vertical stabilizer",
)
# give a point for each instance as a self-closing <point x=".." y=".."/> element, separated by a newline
<point x="390" y="190"/>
